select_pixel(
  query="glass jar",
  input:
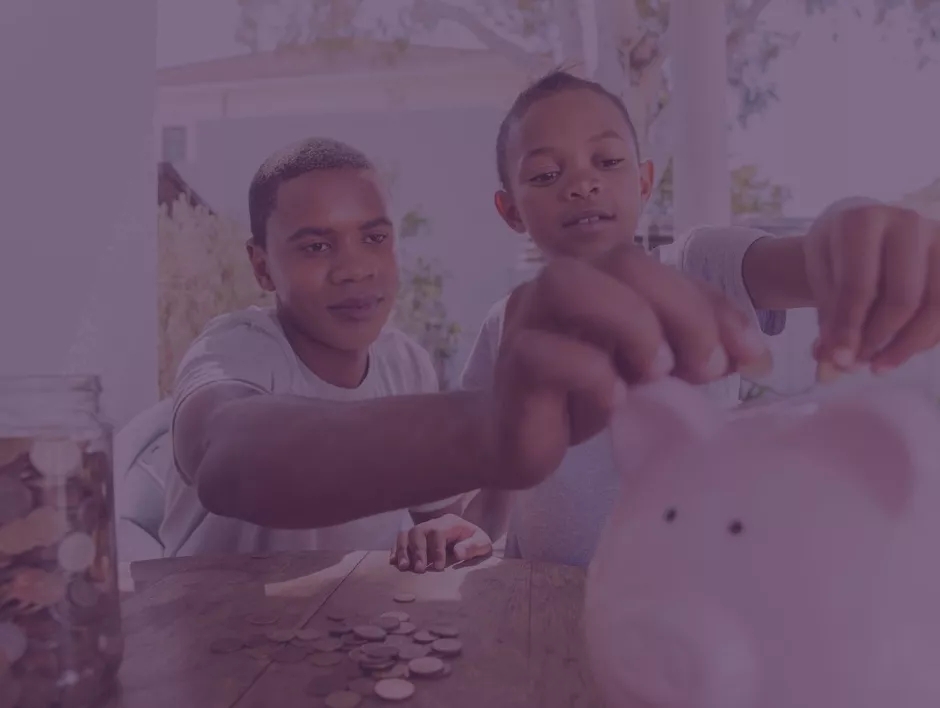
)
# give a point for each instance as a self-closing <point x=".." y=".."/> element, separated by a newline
<point x="60" y="620"/>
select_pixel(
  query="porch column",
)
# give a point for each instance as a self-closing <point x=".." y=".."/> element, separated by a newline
<point x="78" y="194"/>
<point x="702" y="184"/>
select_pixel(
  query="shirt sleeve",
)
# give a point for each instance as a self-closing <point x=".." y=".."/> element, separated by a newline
<point x="229" y="350"/>
<point x="716" y="255"/>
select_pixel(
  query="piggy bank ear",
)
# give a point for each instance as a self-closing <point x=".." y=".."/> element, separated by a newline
<point x="656" y="418"/>
<point x="887" y="440"/>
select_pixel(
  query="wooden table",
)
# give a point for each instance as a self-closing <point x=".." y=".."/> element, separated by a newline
<point x="520" y="624"/>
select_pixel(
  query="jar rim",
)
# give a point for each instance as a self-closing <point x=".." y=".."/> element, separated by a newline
<point x="34" y="382"/>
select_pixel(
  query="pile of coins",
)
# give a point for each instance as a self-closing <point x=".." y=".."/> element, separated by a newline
<point x="60" y="623"/>
<point x="384" y="657"/>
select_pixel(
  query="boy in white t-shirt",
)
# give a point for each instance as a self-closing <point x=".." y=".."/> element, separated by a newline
<point x="323" y="242"/>
<point x="572" y="178"/>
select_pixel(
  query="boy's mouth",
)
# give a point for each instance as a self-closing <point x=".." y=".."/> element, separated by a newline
<point x="357" y="308"/>
<point x="588" y="218"/>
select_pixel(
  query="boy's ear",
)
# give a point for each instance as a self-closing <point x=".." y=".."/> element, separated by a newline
<point x="506" y="207"/>
<point x="647" y="179"/>
<point x="259" y="265"/>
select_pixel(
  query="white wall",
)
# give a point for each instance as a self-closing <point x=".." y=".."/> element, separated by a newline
<point x="77" y="194"/>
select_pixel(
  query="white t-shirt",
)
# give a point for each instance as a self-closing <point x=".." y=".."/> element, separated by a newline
<point x="249" y="346"/>
<point x="560" y="520"/>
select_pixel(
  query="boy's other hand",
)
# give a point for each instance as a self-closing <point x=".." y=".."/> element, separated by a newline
<point x="874" y="272"/>
<point x="426" y="545"/>
<point x="580" y="328"/>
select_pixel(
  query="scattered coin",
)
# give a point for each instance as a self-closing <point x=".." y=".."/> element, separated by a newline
<point x="404" y="628"/>
<point x="326" y="659"/>
<point x="413" y="651"/>
<point x="444" y="630"/>
<point x="48" y="525"/>
<point x="363" y="686"/>
<point x="447" y="670"/>
<point x="339" y="630"/>
<point x="289" y="655"/>
<point x="259" y="653"/>
<point x="426" y="666"/>
<point x="376" y="665"/>
<point x="396" y="671"/>
<point x="310" y="635"/>
<point x="261" y="619"/>
<point x="380" y="651"/>
<point x="55" y="459"/>
<point x="226" y="645"/>
<point x="322" y="686"/>
<point x="336" y="616"/>
<point x="327" y="645"/>
<point x="343" y="699"/>
<point x="357" y="655"/>
<point x="370" y="632"/>
<point x="387" y="623"/>
<point x="397" y="640"/>
<point x="404" y="597"/>
<point x="400" y="616"/>
<point x="280" y="636"/>
<point x="394" y="689"/>
<point x="447" y="647"/>
<point x="256" y="640"/>
<point x="76" y="552"/>
<point x="12" y="642"/>
<point x="423" y="637"/>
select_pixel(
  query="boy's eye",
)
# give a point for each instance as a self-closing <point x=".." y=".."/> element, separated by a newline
<point x="613" y="162"/>
<point x="376" y="238"/>
<point x="544" y="177"/>
<point x="318" y="247"/>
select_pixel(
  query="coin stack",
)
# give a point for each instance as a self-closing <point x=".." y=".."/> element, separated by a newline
<point x="383" y="657"/>
<point x="60" y="623"/>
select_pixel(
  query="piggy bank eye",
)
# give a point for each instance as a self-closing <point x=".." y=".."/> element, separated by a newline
<point x="670" y="515"/>
<point x="735" y="528"/>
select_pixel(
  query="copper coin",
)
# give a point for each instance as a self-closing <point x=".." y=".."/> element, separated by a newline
<point x="336" y="615"/>
<point x="343" y="699"/>
<point x="322" y="686"/>
<point x="423" y="637"/>
<point x="16" y="501"/>
<point x="404" y="597"/>
<point x="55" y="459"/>
<point x="326" y="659"/>
<point x="339" y="630"/>
<point x="445" y="631"/>
<point x="394" y="689"/>
<point x="328" y="645"/>
<point x="370" y="632"/>
<point x="387" y="623"/>
<point x="426" y="666"/>
<point x="400" y="616"/>
<point x="376" y="665"/>
<point x="289" y="655"/>
<point x="363" y="686"/>
<point x="226" y="645"/>
<point x="83" y="594"/>
<point x="280" y="636"/>
<point x="404" y="628"/>
<point x="380" y="651"/>
<point x="357" y="655"/>
<point x="262" y="619"/>
<point x="412" y="651"/>
<point x="447" y="647"/>
<point x="310" y="635"/>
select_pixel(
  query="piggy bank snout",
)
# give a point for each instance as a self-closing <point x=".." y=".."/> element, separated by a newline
<point x="687" y="655"/>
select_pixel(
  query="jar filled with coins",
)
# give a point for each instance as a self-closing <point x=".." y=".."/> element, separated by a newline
<point x="60" y="622"/>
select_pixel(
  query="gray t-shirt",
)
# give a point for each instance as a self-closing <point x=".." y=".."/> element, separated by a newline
<point x="560" y="520"/>
<point x="249" y="346"/>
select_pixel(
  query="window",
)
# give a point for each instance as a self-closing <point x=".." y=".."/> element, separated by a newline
<point x="174" y="148"/>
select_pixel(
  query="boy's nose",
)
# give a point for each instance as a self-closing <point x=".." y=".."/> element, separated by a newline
<point x="582" y="186"/>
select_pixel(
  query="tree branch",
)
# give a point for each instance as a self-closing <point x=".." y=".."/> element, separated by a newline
<point x="746" y="23"/>
<point x="433" y="11"/>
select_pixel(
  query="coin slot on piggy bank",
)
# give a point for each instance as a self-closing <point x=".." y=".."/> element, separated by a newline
<point x="60" y="622"/>
<point x="770" y="560"/>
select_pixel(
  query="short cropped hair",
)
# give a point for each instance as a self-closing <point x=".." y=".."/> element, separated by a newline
<point x="551" y="84"/>
<point x="291" y="162"/>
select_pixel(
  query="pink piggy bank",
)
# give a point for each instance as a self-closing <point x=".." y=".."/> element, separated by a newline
<point x="782" y="559"/>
